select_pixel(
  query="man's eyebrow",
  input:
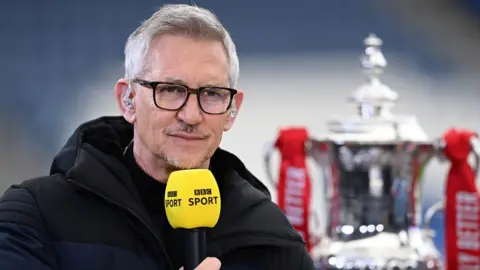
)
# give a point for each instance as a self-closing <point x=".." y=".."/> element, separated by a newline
<point x="211" y="85"/>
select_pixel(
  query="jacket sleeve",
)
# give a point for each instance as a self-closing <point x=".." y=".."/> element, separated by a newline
<point x="23" y="241"/>
<point x="268" y="258"/>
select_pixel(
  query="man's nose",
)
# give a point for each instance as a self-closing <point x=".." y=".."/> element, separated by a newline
<point x="191" y="113"/>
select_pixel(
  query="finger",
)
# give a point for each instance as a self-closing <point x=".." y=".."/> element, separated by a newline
<point x="210" y="264"/>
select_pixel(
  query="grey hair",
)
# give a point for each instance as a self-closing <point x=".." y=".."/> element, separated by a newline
<point x="178" y="19"/>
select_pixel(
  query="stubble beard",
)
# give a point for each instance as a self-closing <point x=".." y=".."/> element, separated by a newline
<point x="183" y="161"/>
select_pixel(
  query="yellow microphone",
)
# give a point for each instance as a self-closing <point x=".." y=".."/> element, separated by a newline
<point x="192" y="202"/>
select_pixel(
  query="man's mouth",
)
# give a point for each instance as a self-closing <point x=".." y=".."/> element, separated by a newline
<point x="187" y="136"/>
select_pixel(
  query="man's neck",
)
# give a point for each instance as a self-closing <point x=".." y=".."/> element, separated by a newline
<point x="155" y="167"/>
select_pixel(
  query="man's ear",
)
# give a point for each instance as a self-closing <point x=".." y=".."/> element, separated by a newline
<point x="125" y="96"/>
<point x="235" y="108"/>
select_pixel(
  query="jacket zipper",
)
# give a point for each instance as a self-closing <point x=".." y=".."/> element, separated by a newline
<point x="135" y="214"/>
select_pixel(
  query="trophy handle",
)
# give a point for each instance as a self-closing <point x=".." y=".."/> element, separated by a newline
<point x="475" y="143"/>
<point x="269" y="149"/>
<point x="432" y="211"/>
<point x="440" y="206"/>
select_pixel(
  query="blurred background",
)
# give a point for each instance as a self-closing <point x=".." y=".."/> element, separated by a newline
<point x="299" y="62"/>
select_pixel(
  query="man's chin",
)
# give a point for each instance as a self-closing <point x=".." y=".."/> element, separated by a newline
<point x="182" y="163"/>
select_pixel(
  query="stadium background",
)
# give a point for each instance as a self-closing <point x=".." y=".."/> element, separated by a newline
<point x="299" y="61"/>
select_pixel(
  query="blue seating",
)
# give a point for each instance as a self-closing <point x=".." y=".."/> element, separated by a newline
<point x="473" y="5"/>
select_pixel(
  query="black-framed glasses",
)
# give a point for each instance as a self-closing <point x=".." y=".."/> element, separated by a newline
<point x="173" y="96"/>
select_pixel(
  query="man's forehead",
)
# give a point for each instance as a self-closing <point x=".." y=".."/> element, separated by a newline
<point x="178" y="46"/>
<point x="191" y="65"/>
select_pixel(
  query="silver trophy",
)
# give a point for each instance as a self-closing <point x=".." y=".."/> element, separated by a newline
<point x="373" y="163"/>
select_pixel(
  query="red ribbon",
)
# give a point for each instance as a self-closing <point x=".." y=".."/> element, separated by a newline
<point x="294" y="185"/>
<point x="462" y="205"/>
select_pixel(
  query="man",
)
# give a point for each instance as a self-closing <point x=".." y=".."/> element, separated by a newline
<point x="101" y="207"/>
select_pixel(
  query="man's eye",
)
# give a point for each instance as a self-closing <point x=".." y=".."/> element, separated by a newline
<point x="172" y="89"/>
<point x="212" y="93"/>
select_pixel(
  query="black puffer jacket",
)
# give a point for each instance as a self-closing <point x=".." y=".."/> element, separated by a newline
<point x="87" y="215"/>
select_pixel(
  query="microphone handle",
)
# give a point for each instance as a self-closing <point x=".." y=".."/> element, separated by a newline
<point x="195" y="250"/>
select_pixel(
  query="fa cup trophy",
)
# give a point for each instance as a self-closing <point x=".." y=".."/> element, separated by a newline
<point x="373" y="163"/>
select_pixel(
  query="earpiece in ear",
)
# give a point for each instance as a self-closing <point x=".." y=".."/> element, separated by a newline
<point x="233" y="113"/>
<point x="128" y="99"/>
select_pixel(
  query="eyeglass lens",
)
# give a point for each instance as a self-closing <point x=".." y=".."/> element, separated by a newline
<point x="211" y="99"/>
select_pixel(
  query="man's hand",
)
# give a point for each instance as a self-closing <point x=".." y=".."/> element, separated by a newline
<point x="209" y="264"/>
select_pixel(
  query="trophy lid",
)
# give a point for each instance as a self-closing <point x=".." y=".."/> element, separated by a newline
<point x="375" y="123"/>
